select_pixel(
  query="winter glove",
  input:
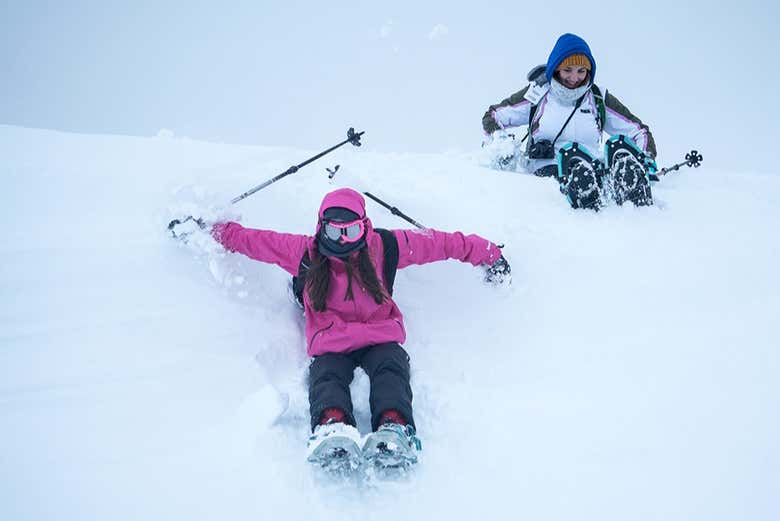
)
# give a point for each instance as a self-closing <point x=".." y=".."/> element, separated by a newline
<point x="501" y="150"/>
<point x="182" y="228"/>
<point x="497" y="137"/>
<point x="499" y="272"/>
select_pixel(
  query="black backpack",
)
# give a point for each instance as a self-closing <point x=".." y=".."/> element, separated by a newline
<point x="390" y="248"/>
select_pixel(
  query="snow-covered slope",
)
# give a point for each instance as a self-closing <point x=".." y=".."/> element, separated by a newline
<point x="629" y="372"/>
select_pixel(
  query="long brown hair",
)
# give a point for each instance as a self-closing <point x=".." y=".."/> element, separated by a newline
<point x="318" y="279"/>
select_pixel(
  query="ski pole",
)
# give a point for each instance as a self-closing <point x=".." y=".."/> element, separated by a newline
<point x="496" y="273"/>
<point x="692" y="158"/>
<point x="352" y="137"/>
<point x="396" y="211"/>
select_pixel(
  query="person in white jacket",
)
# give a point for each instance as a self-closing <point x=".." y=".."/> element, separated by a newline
<point x="569" y="108"/>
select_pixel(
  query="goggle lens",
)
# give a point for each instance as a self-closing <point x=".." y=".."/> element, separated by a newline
<point x="346" y="232"/>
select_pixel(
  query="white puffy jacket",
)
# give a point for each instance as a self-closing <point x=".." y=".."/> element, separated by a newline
<point x="552" y="113"/>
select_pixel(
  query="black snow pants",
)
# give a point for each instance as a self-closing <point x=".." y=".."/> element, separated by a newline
<point x="387" y="367"/>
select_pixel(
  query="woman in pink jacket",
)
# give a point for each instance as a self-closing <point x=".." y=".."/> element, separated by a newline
<point x="351" y="318"/>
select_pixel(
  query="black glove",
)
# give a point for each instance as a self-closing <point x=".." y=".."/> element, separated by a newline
<point x="499" y="272"/>
<point x="181" y="228"/>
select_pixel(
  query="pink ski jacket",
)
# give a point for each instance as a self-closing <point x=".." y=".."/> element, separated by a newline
<point x="347" y="325"/>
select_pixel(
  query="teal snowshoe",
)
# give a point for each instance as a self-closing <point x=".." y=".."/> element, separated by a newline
<point x="392" y="448"/>
<point x="334" y="449"/>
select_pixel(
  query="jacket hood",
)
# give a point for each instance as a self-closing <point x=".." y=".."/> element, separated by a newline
<point x="344" y="198"/>
<point x="567" y="45"/>
<point x="353" y="201"/>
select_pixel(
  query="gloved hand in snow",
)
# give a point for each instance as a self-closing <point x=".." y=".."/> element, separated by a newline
<point x="499" y="272"/>
<point x="500" y="150"/>
<point x="182" y="228"/>
<point x="499" y="136"/>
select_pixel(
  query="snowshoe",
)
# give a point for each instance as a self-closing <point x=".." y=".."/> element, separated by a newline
<point x="579" y="175"/>
<point x="334" y="449"/>
<point x="391" y="450"/>
<point x="626" y="166"/>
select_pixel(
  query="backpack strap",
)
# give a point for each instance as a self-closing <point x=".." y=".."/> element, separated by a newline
<point x="299" y="281"/>
<point x="531" y="115"/>
<point x="389" y="247"/>
<point x="601" y="108"/>
<point x="535" y="76"/>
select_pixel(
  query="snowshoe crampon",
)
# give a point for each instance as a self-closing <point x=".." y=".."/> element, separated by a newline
<point x="334" y="450"/>
<point x="626" y="165"/>
<point x="580" y="177"/>
<point x="391" y="450"/>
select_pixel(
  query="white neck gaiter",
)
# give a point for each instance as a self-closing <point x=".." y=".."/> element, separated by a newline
<point x="565" y="95"/>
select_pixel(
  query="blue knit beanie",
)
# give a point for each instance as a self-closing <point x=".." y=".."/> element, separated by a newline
<point x="567" y="45"/>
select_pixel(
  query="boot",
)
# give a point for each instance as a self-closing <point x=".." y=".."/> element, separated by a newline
<point x="334" y="446"/>
<point x="393" y="445"/>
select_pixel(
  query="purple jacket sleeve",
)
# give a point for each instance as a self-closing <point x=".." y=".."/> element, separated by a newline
<point x="282" y="249"/>
<point x="424" y="246"/>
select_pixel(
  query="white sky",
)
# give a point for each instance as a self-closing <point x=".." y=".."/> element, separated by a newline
<point x="416" y="76"/>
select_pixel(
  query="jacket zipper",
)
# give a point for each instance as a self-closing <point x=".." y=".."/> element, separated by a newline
<point x="313" y="338"/>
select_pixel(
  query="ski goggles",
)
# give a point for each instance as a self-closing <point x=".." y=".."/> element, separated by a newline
<point x="344" y="232"/>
